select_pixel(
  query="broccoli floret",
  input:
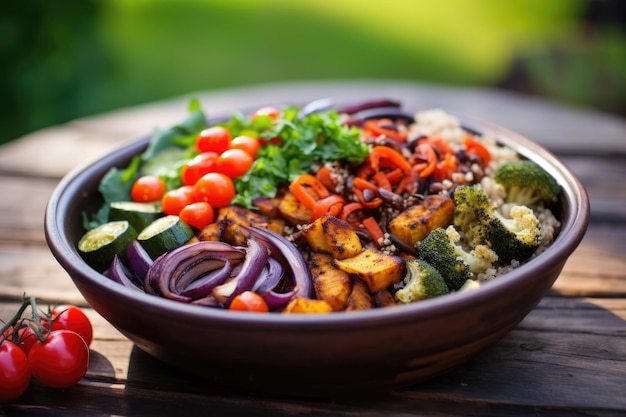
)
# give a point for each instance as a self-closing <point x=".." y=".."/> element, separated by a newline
<point x="468" y="200"/>
<point x="442" y="249"/>
<point x="516" y="238"/>
<point x="421" y="281"/>
<point x="481" y="223"/>
<point x="526" y="183"/>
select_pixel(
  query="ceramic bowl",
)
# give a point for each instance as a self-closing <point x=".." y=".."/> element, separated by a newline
<point x="316" y="355"/>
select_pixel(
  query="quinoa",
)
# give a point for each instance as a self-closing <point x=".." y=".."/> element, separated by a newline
<point x="438" y="122"/>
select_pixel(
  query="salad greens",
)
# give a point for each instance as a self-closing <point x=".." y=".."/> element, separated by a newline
<point x="292" y="146"/>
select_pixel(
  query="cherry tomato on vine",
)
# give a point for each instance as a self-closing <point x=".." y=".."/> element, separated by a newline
<point x="234" y="162"/>
<point x="249" y="301"/>
<point x="271" y="112"/>
<point x="60" y="361"/>
<point x="246" y="143"/>
<point x="72" y="318"/>
<point x="14" y="372"/>
<point x="214" y="139"/>
<point x="26" y="338"/>
<point x="147" y="189"/>
<point x="175" y="200"/>
<point x="197" y="214"/>
<point x="195" y="168"/>
<point x="215" y="188"/>
<point x="7" y="334"/>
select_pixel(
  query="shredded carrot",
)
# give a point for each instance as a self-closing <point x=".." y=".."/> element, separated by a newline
<point x="426" y="149"/>
<point x="381" y="180"/>
<point x="375" y="128"/>
<point x="308" y="190"/>
<point x="324" y="175"/>
<point x="374" y="230"/>
<point x="475" y="147"/>
<point x="395" y="175"/>
<point x="389" y="157"/>
<point x="362" y="184"/>
<point x="349" y="209"/>
<point x="331" y="205"/>
<point x="445" y="168"/>
<point x="408" y="184"/>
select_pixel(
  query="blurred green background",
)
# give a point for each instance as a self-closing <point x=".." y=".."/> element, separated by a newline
<point x="64" y="59"/>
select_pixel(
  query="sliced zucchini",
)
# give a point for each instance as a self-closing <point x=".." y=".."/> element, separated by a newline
<point x="139" y="215"/>
<point x="164" y="234"/>
<point x="99" y="245"/>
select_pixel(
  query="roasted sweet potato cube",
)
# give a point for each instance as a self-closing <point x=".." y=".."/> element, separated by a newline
<point x="277" y="225"/>
<point x="307" y="306"/>
<point x="232" y="217"/>
<point x="267" y="206"/>
<point x="378" y="270"/>
<point x="314" y="235"/>
<point x="416" y="222"/>
<point x="293" y="211"/>
<point x="360" y="298"/>
<point x="330" y="284"/>
<point x="384" y="298"/>
<point x="332" y="235"/>
<point x="212" y="231"/>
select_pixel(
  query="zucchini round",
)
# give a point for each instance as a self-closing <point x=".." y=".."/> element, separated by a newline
<point x="164" y="234"/>
<point x="139" y="215"/>
<point x="99" y="245"/>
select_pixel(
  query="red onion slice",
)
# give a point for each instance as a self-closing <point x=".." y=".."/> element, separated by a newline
<point x="138" y="259"/>
<point x="256" y="258"/>
<point x="288" y="254"/>
<point x="173" y="266"/>
<point x="120" y="274"/>
<point x="203" y="286"/>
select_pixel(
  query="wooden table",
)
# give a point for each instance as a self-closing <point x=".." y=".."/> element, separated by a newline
<point x="568" y="357"/>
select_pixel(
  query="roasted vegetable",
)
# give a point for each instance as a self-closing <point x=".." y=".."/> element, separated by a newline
<point x="331" y="235"/>
<point x="330" y="284"/>
<point x="378" y="270"/>
<point x="442" y="249"/>
<point x="231" y="219"/>
<point x="293" y="211"/>
<point x="416" y="222"/>
<point x="421" y="281"/>
<point x="360" y="298"/>
<point x="307" y="306"/>
<point x="527" y="184"/>
<point x="516" y="237"/>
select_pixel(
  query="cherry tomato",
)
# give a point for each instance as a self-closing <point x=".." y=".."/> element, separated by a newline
<point x="61" y="361"/>
<point x="215" y="188"/>
<point x="175" y="200"/>
<point x="14" y="372"/>
<point x="147" y="189"/>
<point x="195" y="168"/>
<point x="271" y="112"/>
<point x="197" y="214"/>
<point x="214" y="139"/>
<point x="72" y="318"/>
<point x="234" y="162"/>
<point x="249" y="301"/>
<point x="246" y="143"/>
<point x="7" y="334"/>
<point x="26" y="337"/>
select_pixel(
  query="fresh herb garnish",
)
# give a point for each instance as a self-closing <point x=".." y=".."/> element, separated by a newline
<point x="294" y="145"/>
<point x="303" y="142"/>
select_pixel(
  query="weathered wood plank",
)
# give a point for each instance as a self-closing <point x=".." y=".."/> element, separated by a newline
<point x="23" y="208"/>
<point x="538" y="365"/>
<point x="53" y="151"/>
